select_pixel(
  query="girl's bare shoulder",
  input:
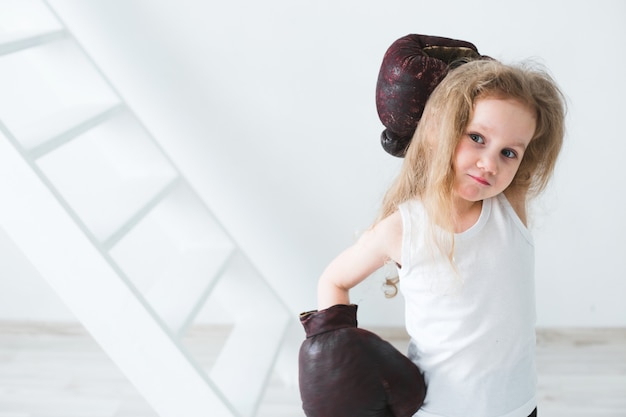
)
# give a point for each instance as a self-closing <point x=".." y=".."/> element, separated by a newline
<point x="387" y="236"/>
<point x="517" y="197"/>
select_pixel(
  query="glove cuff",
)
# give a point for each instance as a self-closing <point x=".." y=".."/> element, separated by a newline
<point x="332" y="318"/>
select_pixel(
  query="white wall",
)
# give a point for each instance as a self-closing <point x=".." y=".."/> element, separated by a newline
<point x="268" y="108"/>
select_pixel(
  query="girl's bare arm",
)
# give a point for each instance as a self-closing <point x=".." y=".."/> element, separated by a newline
<point x="377" y="245"/>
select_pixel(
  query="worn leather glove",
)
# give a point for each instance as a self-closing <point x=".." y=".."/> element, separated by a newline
<point x="346" y="371"/>
<point x="411" y="69"/>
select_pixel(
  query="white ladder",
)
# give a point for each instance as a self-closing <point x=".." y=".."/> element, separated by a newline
<point x="108" y="220"/>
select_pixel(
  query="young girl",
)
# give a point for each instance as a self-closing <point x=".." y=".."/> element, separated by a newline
<point x="455" y="224"/>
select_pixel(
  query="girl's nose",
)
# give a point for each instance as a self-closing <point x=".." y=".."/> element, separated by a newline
<point x="487" y="163"/>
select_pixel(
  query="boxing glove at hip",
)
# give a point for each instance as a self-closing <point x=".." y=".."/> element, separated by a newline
<point x="411" y="69"/>
<point x="345" y="371"/>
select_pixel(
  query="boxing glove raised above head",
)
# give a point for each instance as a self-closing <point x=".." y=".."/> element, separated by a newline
<point x="350" y="372"/>
<point x="411" y="69"/>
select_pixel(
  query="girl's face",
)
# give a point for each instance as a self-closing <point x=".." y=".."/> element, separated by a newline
<point x="491" y="150"/>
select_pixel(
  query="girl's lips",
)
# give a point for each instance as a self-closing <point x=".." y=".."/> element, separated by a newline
<point x="480" y="180"/>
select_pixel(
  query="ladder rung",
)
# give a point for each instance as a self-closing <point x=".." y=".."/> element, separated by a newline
<point x="28" y="42"/>
<point x="67" y="136"/>
<point x="139" y="215"/>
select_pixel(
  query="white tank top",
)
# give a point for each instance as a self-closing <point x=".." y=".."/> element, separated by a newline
<point x="473" y="332"/>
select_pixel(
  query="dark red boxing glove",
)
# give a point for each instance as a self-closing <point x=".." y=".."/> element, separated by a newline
<point x="350" y="372"/>
<point x="411" y="69"/>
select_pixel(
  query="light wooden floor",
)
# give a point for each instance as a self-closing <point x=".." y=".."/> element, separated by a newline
<point x="59" y="371"/>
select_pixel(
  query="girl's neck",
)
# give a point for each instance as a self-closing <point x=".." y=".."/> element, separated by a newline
<point x="466" y="214"/>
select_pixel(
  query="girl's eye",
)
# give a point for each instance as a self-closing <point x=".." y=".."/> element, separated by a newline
<point x="476" y="138"/>
<point x="508" y="153"/>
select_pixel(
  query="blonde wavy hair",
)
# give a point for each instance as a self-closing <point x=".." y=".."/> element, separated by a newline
<point x="427" y="172"/>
